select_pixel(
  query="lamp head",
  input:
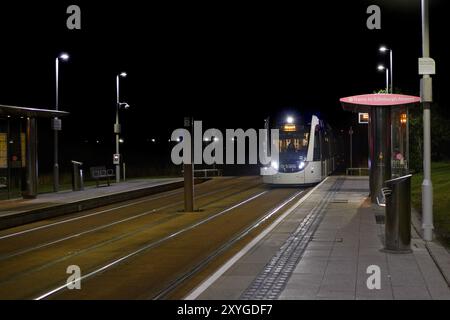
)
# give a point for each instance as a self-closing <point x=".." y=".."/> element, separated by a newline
<point x="64" y="56"/>
<point x="124" y="105"/>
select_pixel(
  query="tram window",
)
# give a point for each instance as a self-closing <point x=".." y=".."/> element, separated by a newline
<point x="290" y="144"/>
<point x="295" y="143"/>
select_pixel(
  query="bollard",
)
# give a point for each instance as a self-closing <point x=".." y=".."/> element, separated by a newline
<point x="398" y="215"/>
<point x="77" y="176"/>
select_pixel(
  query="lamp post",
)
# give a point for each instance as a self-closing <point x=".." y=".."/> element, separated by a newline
<point x="117" y="130"/>
<point x="56" y="123"/>
<point x="426" y="95"/>
<point x="381" y="68"/>
<point x="350" y="132"/>
<point x="384" y="49"/>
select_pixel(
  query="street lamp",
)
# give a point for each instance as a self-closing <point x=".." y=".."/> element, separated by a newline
<point x="426" y="95"/>
<point x="381" y="68"/>
<point x="116" y="157"/>
<point x="56" y="123"/>
<point x="384" y="49"/>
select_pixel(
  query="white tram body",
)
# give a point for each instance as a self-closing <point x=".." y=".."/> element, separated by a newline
<point x="307" y="153"/>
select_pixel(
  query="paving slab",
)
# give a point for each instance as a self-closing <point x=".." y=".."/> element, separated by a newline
<point x="345" y="242"/>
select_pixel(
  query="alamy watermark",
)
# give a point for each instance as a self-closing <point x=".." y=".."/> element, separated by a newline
<point x="374" y="280"/>
<point x="216" y="142"/>
<point x="374" y="20"/>
<point x="73" y="21"/>
<point x="74" y="280"/>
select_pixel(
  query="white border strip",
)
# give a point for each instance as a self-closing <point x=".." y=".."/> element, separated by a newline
<point x="208" y="282"/>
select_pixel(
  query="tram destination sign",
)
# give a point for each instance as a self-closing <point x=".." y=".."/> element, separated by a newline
<point x="380" y="99"/>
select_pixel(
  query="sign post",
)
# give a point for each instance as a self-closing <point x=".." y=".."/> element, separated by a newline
<point x="350" y="132"/>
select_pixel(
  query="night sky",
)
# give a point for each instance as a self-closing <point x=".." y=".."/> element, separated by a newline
<point x="227" y="63"/>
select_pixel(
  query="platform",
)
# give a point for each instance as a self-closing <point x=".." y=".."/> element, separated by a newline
<point x="321" y="249"/>
<point x="19" y="211"/>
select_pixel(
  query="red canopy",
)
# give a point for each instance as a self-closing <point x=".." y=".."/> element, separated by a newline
<point x="362" y="103"/>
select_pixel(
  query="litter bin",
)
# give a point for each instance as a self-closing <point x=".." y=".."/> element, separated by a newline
<point x="398" y="215"/>
<point x="77" y="176"/>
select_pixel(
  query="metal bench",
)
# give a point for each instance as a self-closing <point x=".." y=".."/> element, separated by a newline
<point x="101" y="173"/>
<point x="205" y="173"/>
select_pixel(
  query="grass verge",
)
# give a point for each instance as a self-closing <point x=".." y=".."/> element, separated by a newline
<point x="440" y="176"/>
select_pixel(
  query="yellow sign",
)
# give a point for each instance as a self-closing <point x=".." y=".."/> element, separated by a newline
<point x="363" y="118"/>
<point x="289" y="127"/>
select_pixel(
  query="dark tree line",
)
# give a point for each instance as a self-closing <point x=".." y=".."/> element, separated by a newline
<point x="440" y="136"/>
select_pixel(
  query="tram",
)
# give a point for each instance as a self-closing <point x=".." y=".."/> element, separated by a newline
<point x="307" y="152"/>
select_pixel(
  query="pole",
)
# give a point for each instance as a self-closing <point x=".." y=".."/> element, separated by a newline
<point x="387" y="80"/>
<point x="427" y="185"/>
<point x="392" y="72"/>
<point x="117" y="129"/>
<point x="189" y="171"/>
<point x="57" y="84"/>
<point x="380" y="171"/>
<point x="8" y="150"/>
<point x="55" y="132"/>
<point x="351" y="147"/>
<point x="407" y="140"/>
<point x="31" y="171"/>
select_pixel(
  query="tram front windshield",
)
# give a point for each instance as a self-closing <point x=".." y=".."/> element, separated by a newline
<point x="293" y="147"/>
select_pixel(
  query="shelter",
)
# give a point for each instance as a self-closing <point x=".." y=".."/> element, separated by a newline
<point x="18" y="149"/>
<point x="388" y="135"/>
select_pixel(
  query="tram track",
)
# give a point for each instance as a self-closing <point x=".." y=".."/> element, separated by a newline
<point x="95" y="246"/>
<point x="93" y="212"/>
<point x="50" y="261"/>
<point x="149" y="253"/>
<point x="147" y="247"/>
<point x="176" y="264"/>
<point x="16" y="239"/>
<point x="132" y="217"/>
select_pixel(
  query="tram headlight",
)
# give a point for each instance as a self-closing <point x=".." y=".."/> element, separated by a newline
<point x="301" y="165"/>
<point x="274" y="165"/>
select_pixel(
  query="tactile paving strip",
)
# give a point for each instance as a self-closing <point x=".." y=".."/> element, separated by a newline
<point x="270" y="283"/>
